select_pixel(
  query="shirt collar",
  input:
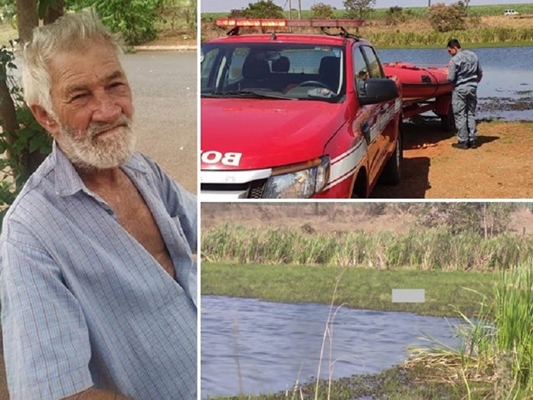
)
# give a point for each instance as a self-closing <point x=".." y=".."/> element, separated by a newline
<point x="67" y="179"/>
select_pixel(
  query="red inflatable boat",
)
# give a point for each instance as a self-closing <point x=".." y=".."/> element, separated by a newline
<point x="423" y="90"/>
<point x="420" y="83"/>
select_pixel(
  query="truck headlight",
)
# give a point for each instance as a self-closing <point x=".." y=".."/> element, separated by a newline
<point x="298" y="181"/>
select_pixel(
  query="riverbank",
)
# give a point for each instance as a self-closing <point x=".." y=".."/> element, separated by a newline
<point x="398" y="383"/>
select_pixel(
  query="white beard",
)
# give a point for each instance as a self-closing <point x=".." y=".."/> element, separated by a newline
<point x="87" y="151"/>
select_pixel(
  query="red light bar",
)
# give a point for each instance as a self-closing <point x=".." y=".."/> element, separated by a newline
<point x="302" y="23"/>
<point x="232" y="22"/>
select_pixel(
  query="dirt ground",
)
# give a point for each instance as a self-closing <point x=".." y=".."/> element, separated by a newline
<point x="500" y="168"/>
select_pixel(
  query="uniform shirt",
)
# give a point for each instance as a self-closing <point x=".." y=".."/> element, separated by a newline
<point x="464" y="68"/>
<point x="83" y="303"/>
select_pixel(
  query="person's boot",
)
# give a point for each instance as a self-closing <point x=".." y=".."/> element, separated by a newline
<point x="460" y="145"/>
<point x="472" y="144"/>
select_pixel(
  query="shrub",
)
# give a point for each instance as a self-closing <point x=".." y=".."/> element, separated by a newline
<point x="322" y="11"/>
<point x="445" y="18"/>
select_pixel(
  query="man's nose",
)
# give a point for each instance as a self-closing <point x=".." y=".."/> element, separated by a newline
<point x="106" y="108"/>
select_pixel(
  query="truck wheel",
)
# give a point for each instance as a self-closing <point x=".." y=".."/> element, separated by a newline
<point x="391" y="174"/>
<point x="360" y="185"/>
<point x="447" y="121"/>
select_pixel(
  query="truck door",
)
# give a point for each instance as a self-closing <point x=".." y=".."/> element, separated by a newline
<point x="385" y="122"/>
<point x="367" y="116"/>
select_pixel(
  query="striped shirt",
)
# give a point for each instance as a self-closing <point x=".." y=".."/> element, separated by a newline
<point x="83" y="303"/>
<point x="464" y="68"/>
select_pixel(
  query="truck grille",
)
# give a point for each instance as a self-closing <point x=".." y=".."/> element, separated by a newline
<point x="253" y="189"/>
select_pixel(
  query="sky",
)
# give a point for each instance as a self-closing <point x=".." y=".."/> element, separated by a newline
<point x="227" y="5"/>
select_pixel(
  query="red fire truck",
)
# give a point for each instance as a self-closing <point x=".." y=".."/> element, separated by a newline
<point x="287" y="115"/>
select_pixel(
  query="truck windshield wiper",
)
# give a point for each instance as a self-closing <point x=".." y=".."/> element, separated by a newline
<point x="258" y="94"/>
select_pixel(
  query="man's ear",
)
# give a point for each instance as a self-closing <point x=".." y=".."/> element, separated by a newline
<point x="45" y="119"/>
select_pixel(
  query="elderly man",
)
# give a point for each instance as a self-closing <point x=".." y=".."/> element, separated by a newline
<point x="465" y="72"/>
<point x="97" y="273"/>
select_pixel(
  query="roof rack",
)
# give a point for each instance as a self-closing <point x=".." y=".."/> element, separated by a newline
<point x="323" y="24"/>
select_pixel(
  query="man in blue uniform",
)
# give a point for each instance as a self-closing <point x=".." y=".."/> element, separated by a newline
<point x="465" y="72"/>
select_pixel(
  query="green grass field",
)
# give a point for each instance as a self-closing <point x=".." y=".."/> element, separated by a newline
<point x="358" y="288"/>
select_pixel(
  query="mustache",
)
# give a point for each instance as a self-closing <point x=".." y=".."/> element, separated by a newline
<point x="95" y="128"/>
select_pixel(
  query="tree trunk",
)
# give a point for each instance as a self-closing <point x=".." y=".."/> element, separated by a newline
<point x="54" y="13"/>
<point x="7" y="109"/>
<point x="27" y="19"/>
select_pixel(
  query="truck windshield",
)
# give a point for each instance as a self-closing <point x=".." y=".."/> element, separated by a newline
<point x="280" y="70"/>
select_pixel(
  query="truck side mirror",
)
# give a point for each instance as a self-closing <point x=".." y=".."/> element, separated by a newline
<point x="378" y="90"/>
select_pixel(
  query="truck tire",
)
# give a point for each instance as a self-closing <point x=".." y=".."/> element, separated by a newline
<point x="447" y="121"/>
<point x="392" y="172"/>
<point x="360" y="185"/>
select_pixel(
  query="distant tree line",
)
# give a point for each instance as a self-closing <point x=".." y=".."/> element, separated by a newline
<point x="443" y="18"/>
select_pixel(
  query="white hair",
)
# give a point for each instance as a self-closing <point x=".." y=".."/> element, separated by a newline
<point x="73" y="32"/>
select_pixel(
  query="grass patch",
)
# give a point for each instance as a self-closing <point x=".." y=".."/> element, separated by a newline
<point x="424" y="249"/>
<point x="359" y="288"/>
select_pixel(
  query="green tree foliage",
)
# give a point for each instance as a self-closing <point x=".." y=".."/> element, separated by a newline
<point x="135" y="20"/>
<point x="445" y="18"/>
<point x="322" y="11"/>
<point x="260" y="9"/>
<point x="358" y="8"/>
<point x="177" y="12"/>
<point x="237" y="13"/>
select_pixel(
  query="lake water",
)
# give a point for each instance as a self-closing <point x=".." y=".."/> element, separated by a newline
<point x="506" y="91"/>
<point x="271" y="345"/>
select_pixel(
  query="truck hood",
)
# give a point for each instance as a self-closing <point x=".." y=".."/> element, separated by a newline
<point x="266" y="133"/>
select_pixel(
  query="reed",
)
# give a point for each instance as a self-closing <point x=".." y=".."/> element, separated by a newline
<point x="428" y="249"/>
<point x="497" y="348"/>
<point x="477" y="36"/>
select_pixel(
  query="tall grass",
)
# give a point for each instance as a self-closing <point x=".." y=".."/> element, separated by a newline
<point x="394" y="38"/>
<point x="497" y="351"/>
<point x="431" y="249"/>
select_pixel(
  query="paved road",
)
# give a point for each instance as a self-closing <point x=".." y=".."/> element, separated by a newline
<point x="165" y="100"/>
<point x="164" y="90"/>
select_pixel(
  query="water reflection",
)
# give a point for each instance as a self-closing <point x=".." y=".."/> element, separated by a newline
<point x="271" y="345"/>
<point x="507" y="86"/>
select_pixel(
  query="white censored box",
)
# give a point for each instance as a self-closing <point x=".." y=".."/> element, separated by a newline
<point x="408" y="295"/>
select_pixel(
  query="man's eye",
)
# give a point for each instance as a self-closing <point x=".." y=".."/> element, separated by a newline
<point x="78" y="96"/>
<point x="116" y="84"/>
